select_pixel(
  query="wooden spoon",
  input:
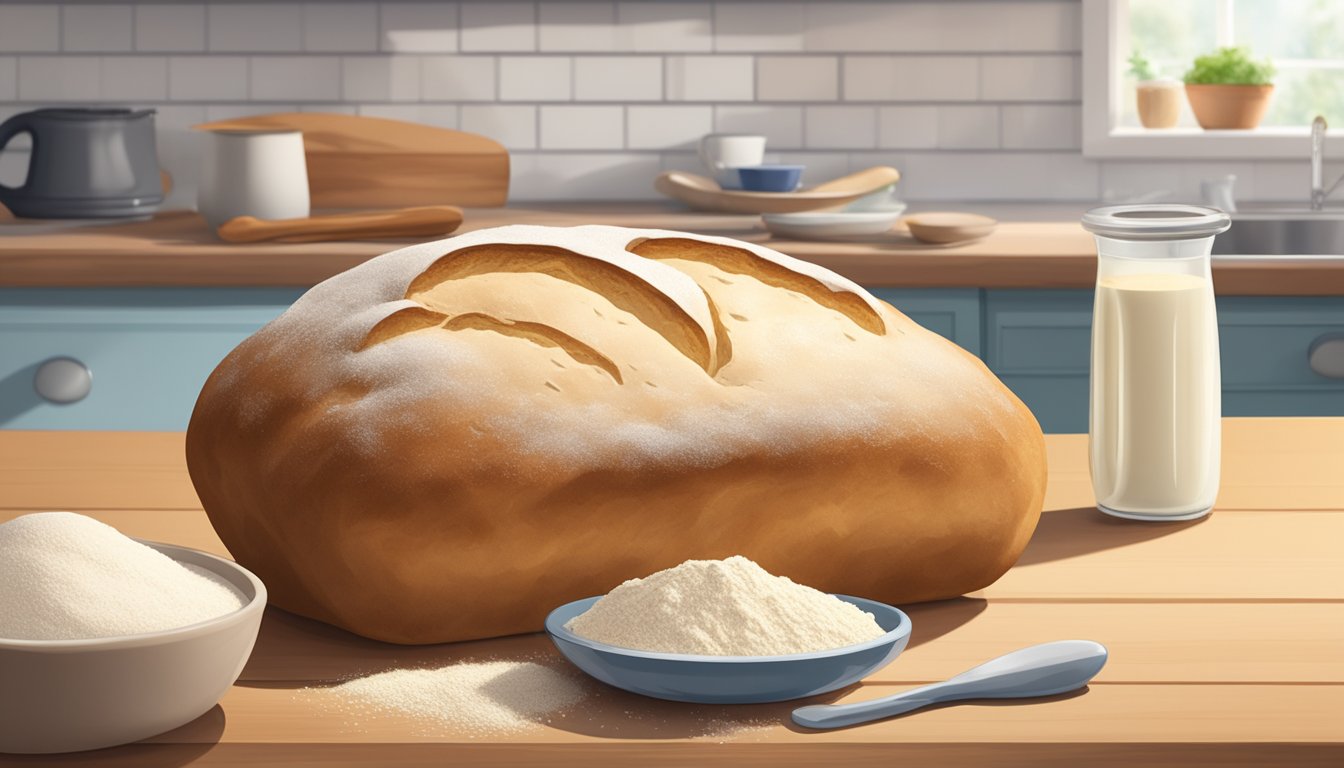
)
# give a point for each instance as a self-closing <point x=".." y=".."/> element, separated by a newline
<point x="370" y="225"/>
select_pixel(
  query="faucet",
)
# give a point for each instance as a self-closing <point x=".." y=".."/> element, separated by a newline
<point x="1319" y="192"/>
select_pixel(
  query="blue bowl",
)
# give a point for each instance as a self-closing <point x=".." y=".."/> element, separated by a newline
<point x="770" y="178"/>
<point x="731" y="679"/>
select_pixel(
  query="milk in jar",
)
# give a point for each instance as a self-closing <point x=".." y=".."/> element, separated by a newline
<point x="1155" y="405"/>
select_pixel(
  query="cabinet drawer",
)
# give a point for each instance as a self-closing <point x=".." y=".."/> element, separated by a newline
<point x="952" y="313"/>
<point x="1039" y="343"/>
<point x="149" y="350"/>
<point x="1265" y="342"/>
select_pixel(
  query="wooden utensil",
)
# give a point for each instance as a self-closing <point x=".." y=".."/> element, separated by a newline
<point x="703" y="193"/>
<point x="944" y="227"/>
<point x="373" y="162"/>
<point x="379" y="225"/>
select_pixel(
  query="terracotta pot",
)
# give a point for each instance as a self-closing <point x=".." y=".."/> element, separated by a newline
<point x="1228" y="106"/>
<point x="1159" y="103"/>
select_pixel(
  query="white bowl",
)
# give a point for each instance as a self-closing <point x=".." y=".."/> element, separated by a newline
<point x="823" y="225"/>
<point x="72" y="695"/>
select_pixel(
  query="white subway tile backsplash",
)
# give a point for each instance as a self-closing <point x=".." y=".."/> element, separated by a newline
<point x="1042" y="126"/>
<point x="1178" y="182"/>
<point x="665" y="26"/>
<point x="907" y="127"/>
<point x="750" y="27"/>
<point x="588" y="27"/>
<point x="217" y="112"/>
<point x="340" y="27"/>
<point x="170" y="28"/>
<point x="710" y="78"/>
<point x="30" y="27"/>
<point x="960" y="176"/>
<point x="580" y="176"/>
<point x="134" y="78"/>
<point x="911" y="78"/>
<point x="968" y="126"/>
<point x="934" y="26"/>
<point x="840" y="127"/>
<point x="499" y="26"/>
<point x="255" y="27"/>
<point x="437" y="115"/>
<point x="992" y="86"/>
<point x="207" y="78"/>
<point x="667" y="126"/>
<point x="294" y="78"/>
<point x="9" y="79"/>
<point x="457" y="78"/>
<point x="797" y="78"/>
<point x="582" y="127"/>
<point x="535" y="78"/>
<point x="59" y="78"/>
<point x="418" y="27"/>
<point x="782" y="126"/>
<point x="513" y="125"/>
<point x="1030" y="78"/>
<point x="93" y="28"/>
<point x="618" y="78"/>
<point x="380" y="78"/>
<point x="1278" y="181"/>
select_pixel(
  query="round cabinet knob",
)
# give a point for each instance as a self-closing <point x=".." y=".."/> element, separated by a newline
<point x="1326" y="356"/>
<point x="63" y="380"/>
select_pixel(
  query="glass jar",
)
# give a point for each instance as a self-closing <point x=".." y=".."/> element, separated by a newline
<point x="1154" y="419"/>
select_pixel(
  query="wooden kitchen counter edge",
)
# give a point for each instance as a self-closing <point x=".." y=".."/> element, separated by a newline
<point x="175" y="250"/>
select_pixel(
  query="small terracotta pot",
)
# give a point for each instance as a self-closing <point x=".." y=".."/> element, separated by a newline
<point x="1228" y="106"/>
<point x="1159" y="103"/>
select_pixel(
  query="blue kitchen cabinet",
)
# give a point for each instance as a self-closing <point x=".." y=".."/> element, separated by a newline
<point x="149" y="350"/>
<point x="950" y="312"/>
<point x="1039" y="344"/>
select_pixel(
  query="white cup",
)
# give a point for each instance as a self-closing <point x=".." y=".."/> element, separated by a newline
<point x="253" y="173"/>
<point x="723" y="153"/>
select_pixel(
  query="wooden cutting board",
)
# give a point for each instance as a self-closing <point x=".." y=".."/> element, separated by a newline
<point x="374" y="162"/>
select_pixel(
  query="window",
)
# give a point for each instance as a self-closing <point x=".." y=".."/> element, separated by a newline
<point x="1304" y="38"/>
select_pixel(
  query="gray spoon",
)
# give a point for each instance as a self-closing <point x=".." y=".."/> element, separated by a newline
<point x="1040" y="670"/>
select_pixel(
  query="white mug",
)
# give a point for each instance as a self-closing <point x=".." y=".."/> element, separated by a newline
<point x="723" y="153"/>
<point x="253" y="173"/>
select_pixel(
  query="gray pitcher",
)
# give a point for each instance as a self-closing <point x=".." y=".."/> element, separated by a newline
<point x="85" y="163"/>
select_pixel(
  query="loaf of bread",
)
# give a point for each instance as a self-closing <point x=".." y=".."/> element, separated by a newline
<point x="452" y="439"/>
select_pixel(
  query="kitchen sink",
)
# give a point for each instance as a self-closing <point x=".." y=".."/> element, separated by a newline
<point x="1283" y="232"/>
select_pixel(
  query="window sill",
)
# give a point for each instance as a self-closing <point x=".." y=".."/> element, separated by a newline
<point x="1289" y="143"/>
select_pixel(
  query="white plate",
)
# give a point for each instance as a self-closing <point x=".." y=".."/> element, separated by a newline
<point x="822" y="225"/>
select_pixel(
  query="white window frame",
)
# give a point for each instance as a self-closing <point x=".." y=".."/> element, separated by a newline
<point x="1105" y="28"/>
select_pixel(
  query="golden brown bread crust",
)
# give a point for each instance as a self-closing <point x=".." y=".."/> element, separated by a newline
<point x="449" y="441"/>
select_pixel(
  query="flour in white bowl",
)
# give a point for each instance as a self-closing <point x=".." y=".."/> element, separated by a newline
<point x="730" y="607"/>
<point x="65" y="576"/>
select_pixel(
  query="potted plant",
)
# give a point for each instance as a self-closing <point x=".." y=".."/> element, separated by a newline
<point x="1228" y="89"/>
<point x="1159" y="99"/>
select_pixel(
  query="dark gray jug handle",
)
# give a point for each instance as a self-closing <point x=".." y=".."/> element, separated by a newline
<point x="8" y="130"/>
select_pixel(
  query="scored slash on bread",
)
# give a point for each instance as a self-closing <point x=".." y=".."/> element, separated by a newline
<point x="650" y="289"/>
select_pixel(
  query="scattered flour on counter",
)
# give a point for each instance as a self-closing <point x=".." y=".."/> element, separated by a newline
<point x="65" y="576"/>
<point x="730" y="607"/>
<point x="477" y="699"/>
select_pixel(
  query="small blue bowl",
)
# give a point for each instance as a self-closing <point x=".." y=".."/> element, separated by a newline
<point x="770" y="178"/>
<point x="731" y="679"/>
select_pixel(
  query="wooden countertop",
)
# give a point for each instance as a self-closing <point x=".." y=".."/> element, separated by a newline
<point x="176" y="249"/>
<point x="1226" y="635"/>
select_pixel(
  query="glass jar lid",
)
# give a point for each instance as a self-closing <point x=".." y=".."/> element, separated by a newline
<point x="1155" y="222"/>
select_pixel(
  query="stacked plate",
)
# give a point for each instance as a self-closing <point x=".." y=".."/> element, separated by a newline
<point x="873" y="214"/>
